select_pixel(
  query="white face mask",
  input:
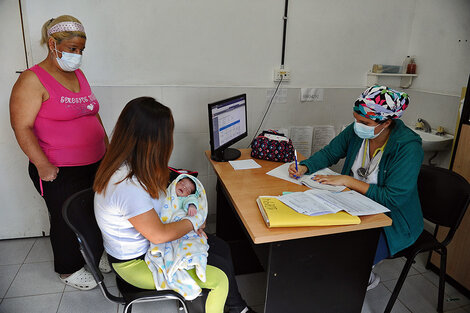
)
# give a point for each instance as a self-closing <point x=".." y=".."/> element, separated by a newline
<point x="69" y="62"/>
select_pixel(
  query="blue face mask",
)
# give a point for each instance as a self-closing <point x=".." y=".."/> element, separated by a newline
<point x="365" y="132"/>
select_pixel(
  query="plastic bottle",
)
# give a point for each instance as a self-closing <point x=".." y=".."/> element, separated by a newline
<point x="404" y="67"/>
<point x="411" y="68"/>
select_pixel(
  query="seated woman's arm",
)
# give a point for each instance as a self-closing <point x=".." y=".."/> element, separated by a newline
<point x="152" y="228"/>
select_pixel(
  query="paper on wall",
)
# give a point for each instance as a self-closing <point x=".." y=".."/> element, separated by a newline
<point x="322" y="135"/>
<point x="280" y="97"/>
<point x="301" y="137"/>
<point x="311" y="94"/>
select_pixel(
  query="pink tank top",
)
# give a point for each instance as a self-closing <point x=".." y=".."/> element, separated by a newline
<point x="66" y="126"/>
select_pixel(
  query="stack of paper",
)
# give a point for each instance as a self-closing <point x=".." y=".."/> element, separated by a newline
<point x="277" y="214"/>
<point x="318" y="202"/>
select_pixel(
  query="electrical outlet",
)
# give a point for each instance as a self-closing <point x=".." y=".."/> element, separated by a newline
<point x="284" y="73"/>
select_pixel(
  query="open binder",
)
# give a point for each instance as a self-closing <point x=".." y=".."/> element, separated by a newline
<point x="277" y="214"/>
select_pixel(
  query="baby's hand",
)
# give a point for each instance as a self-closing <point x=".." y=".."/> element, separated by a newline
<point x="192" y="210"/>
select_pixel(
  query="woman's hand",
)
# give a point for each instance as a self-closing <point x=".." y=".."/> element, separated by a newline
<point x="343" y="180"/>
<point x="334" y="180"/>
<point x="201" y="231"/>
<point x="47" y="172"/>
<point x="302" y="169"/>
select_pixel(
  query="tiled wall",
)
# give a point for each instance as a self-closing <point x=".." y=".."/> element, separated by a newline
<point x="189" y="106"/>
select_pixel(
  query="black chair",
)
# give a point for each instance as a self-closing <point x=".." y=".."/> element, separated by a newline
<point x="444" y="197"/>
<point x="78" y="212"/>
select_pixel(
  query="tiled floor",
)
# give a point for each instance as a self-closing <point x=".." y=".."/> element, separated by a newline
<point x="28" y="284"/>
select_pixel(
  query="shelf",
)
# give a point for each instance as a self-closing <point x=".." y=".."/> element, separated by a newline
<point x="405" y="79"/>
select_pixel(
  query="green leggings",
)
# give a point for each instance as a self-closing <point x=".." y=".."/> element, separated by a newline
<point x="137" y="273"/>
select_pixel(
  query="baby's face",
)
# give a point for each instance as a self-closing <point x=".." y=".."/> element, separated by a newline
<point x="185" y="187"/>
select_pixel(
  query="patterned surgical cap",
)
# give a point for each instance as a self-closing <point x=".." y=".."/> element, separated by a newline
<point x="380" y="103"/>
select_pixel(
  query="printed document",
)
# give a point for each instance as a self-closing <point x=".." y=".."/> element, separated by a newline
<point x="318" y="202"/>
<point x="322" y="135"/>
<point x="307" y="180"/>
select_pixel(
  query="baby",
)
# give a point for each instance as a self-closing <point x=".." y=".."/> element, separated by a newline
<point x="169" y="261"/>
<point x="186" y="192"/>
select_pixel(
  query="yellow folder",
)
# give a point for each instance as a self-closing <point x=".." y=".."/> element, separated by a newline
<point x="277" y="214"/>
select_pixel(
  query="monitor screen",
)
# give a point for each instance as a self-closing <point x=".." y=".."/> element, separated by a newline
<point x="227" y="125"/>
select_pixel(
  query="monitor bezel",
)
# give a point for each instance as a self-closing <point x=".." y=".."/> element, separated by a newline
<point x="217" y="154"/>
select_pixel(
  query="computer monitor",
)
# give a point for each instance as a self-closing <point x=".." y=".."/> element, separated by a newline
<point x="227" y="125"/>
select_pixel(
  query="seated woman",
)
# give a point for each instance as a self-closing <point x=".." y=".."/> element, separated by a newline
<point x="130" y="187"/>
<point x="383" y="159"/>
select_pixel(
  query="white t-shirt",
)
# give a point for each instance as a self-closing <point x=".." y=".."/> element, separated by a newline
<point x="115" y="206"/>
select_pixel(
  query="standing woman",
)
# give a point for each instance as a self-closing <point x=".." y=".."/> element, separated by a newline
<point x="54" y="115"/>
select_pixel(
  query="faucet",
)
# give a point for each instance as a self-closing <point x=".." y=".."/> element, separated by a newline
<point x="424" y="125"/>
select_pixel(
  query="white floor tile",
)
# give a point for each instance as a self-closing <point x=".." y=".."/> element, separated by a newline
<point x="451" y="294"/>
<point x="419" y="295"/>
<point x="35" y="279"/>
<point x="32" y="304"/>
<point x="7" y="274"/>
<point x="376" y="300"/>
<point x="15" y="251"/>
<point x="252" y="288"/>
<point x="390" y="269"/>
<point x="86" y="301"/>
<point x="41" y="251"/>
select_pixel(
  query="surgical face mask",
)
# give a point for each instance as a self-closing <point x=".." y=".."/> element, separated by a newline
<point x="69" y="62"/>
<point x="364" y="131"/>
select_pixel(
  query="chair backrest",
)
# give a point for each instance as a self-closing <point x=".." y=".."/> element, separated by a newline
<point x="78" y="212"/>
<point x="444" y="196"/>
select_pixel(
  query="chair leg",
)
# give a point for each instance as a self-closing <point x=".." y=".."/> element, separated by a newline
<point x="399" y="284"/>
<point x="442" y="280"/>
<point x="127" y="308"/>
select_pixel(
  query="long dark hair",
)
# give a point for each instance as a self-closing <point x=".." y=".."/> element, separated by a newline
<point x="143" y="138"/>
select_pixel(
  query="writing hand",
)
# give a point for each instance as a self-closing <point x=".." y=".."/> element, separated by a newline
<point x="302" y="169"/>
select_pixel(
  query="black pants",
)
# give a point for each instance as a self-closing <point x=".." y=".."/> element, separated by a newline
<point x="220" y="257"/>
<point x="67" y="256"/>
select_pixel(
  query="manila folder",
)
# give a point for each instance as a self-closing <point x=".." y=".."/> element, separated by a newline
<point x="277" y="214"/>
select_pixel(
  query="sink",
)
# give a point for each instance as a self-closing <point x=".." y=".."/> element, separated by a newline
<point x="433" y="142"/>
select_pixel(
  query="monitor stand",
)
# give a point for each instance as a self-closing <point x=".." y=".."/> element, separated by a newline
<point x="228" y="154"/>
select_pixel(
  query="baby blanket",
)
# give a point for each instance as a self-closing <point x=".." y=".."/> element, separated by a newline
<point x="169" y="261"/>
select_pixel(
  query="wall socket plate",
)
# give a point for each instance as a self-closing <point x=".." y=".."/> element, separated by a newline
<point x="284" y="73"/>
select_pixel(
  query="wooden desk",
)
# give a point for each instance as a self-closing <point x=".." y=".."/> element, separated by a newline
<point x="311" y="269"/>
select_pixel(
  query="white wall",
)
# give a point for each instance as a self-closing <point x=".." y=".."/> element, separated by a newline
<point x="189" y="53"/>
<point x="441" y="42"/>
<point x="238" y="43"/>
<point x="22" y="212"/>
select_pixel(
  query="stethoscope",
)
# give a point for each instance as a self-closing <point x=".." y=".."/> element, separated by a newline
<point x="365" y="172"/>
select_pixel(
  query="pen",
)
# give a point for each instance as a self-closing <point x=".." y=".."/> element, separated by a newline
<point x="296" y="166"/>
